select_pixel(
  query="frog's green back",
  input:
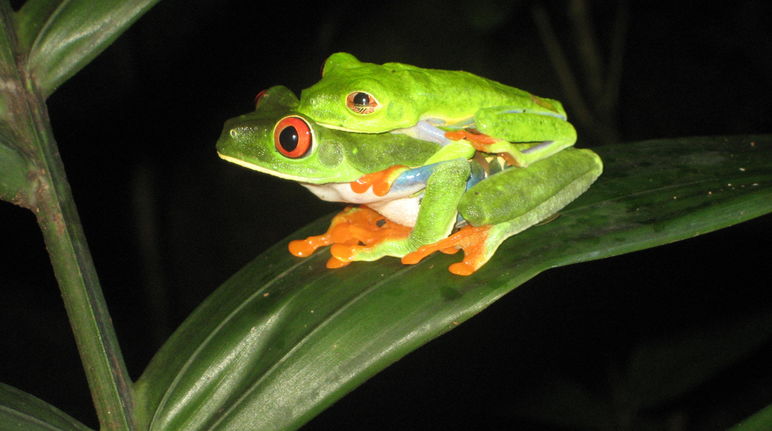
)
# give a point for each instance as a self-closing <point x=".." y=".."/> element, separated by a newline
<point x="407" y="94"/>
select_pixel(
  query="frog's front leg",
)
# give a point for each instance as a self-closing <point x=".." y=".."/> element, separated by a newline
<point x="520" y="136"/>
<point x="512" y="201"/>
<point x="436" y="216"/>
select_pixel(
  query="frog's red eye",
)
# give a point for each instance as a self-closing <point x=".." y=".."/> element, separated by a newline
<point x="259" y="97"/>
<point x="361" y="102"/>
<point x="292" y="137"/>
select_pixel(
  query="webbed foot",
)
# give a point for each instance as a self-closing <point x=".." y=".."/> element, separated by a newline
<point x="352" y="229"/>
<point x="469" y="238"/>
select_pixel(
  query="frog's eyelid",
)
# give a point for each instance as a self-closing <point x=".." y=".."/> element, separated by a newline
<point x="259" y="97"/>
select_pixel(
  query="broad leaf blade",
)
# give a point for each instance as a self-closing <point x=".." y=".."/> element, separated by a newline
<point x="62" y="36"/>
<point x="20" y="411"/>
<point x="285" y="337"/>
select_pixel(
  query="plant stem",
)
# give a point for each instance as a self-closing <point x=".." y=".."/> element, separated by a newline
<point x="86" y="307"/>
<point x="59" y="222"/>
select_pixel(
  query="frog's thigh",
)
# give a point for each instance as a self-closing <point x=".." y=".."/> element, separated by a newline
<point x="518" y="125"/>
<point x="525" y="196"/>
<point x="516" y="199"/>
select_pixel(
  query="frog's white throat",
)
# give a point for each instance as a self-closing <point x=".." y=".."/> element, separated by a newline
<point x="398" y="206"/>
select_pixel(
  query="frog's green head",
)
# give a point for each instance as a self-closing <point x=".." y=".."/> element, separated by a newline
<point x="357" y="96"/>
<point x="276" y="140"/>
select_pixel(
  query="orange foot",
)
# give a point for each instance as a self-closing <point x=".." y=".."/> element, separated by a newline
<point x="351" y="228"/>
<point x="469" y="238"/>
<point x="380" y="181"/>
<point x="481" y="142"/>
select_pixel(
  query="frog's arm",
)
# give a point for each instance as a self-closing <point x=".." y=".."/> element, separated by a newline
<point x="361" y="226"/>
<point x="383" y="181"/>
<point x="436" y="216"/>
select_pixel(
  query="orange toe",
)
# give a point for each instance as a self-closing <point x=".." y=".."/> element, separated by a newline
<point x="461" y="268"/>
<point x="306" y="247"/>
<point x="334" y="263"/>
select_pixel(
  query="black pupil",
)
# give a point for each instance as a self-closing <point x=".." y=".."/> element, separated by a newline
<point x="362" y="99"/>
<point x="288" y="138"/>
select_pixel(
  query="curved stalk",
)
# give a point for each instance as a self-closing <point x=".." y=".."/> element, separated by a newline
<point x="52" y="202"/>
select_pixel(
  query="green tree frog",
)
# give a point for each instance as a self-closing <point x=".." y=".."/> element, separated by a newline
<point x="437" y="105"/>
<point x="414" y="196"/>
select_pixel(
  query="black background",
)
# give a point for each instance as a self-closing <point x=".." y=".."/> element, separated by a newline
<point x="167" y="221"/>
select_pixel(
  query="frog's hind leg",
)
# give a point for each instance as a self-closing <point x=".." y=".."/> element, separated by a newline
<point x="511" y="201"/>
<point x="479" y="244"/>
<point x="489" y="238"/>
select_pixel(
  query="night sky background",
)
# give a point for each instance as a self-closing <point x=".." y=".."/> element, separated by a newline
<point x="167" y="221"/>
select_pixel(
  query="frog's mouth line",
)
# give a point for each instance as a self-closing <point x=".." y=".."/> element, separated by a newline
<point x="277" y="174"/>
<point x="261" y="168"/>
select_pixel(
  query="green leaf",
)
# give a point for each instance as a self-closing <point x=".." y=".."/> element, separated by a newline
<point x="62" y="36"/>
<point x="285" y="337"/>
<point x="760" y="421"/>
<point x="15" y="184"/>
<point x="31" y="18"/>
<point x="20" y="411"/>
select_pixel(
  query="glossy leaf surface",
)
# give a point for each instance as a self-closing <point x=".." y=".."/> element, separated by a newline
<point x="20" y="411"/>
<point x="285" y="337"/>
<point x="62" y="36"/>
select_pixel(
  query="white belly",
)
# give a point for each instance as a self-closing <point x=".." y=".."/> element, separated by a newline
<point x="400" y="207"/>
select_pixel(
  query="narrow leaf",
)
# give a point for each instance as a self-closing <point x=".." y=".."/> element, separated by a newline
<point x="20" y="411"/>
<point x="8" y="71"/>
<point x="7" y="58"/>
<point x="285" y="337"/>
<point x="15" y="184"/>
<point x="62" y="36"/>
<point x="31" y="18"/>
<point x="760" y="421"/>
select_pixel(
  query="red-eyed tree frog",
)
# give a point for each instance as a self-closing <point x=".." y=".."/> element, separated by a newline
<point x="415" y="196"/>
<point x="432" y="104"/>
